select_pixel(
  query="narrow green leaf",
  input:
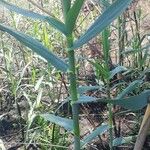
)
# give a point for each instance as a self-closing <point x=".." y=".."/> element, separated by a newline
<point x="129" y="89"/>
<point x="103" y="21"/>
<point x="28" y="99"/>
<point x="31" y="120"/>
<point x="66" y="101"/>
<point x="117" y="70"/>
<point x="83" y="89"/>
<point x="123" y="140"/>
<point x="63" y="122"/>
<point x="52" y="21"/>
<point x="66" y="7"/>
<point x="39" y="82"/>
<point x="98" y="131"/>
<point x="86" y="99"/>
<point x="21" y="77"/>
<point x="38" y="99"/>
<point x="45" y="36"/>
<point x="106" y="44"/>
<point x="101" y="68"/>
<point x="133" y="103"/>
<point x="36" y="47"/>
<point x="73" y="14"/>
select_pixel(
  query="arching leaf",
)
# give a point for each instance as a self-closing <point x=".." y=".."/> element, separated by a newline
<point x="52" y="21"/>
<point x="37" y="47"/>
<point x="129" y="89"/>
<point x="98" y="131"/>
<point x="111" y="13"/>
<point x="73" y="14"/>
<point x="133" y="103"/>
<point x="117" y="70"/>
<point x="63" y="122"/>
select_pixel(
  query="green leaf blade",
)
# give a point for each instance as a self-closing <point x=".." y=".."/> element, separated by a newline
<point x="36" y="47"/>
<point x="63" y="122"/>
<point x="98" y="131"/>
<point x="66" y="7"/>
<point x="84" y="89"/>
<point x="123" y="140"/>
<point x="73" y="14"/>
<point x="129" y="88"/>
<point x="117" y="70"/>
<point x="52" y="21"/>
<point x="103" y="21"/>
<point x="132" y="103"/>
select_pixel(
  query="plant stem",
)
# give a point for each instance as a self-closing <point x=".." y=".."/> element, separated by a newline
<point x="110" y="129"/>
<point x="110" y="106"/>
<point x="121" y="37"/>
<point x="73" y="93"/>
<point x="106" y="49"/>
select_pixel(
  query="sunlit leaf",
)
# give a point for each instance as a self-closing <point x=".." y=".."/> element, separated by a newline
<point x="31" y="120"/>
<point x="38" y="99"/>
<point x="52" y="21"/>
<point x="103" y="21"/>
<point x="2" y="146"/>
<point x="21" y="76"/>
<point x="37" y="47"/>
<point x="63" y="122"/>
<point x="37" y="85"/>
<point x="28" y="99"/>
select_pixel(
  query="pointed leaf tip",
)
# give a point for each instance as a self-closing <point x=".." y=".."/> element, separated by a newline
<point x="52" y="21"/>
<point x="111" y="13"/>
<point x="63" y="122"/>
<point x="37" y="47"/>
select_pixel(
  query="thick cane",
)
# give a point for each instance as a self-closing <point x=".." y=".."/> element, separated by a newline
<point x="145" y="126"/>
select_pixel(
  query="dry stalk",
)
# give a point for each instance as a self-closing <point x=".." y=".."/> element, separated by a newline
<point x="143" y="130"/>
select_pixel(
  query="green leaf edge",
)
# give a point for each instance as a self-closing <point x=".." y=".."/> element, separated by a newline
<point x="37" y="47"/>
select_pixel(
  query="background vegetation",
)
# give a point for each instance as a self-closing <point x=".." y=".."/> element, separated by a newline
<point x="109" y="80"/>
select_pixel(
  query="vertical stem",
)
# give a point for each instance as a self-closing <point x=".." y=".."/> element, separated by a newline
<point x="72" y="79"/>
<point x="106" y="49"/>
<point x="138" y="44"/>
<point x="110" y="106"/>
<point x="73" y="93"/>
<point x="121" y="37"/>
